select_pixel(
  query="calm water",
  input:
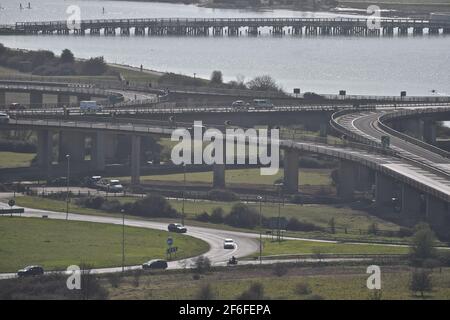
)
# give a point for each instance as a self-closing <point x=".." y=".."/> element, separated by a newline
<point x="359" y="65"/>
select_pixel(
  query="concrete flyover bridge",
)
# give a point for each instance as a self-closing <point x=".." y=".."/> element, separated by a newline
<point x="399" y="185"/>
<point x="232" y="26"/>
<point x="63" y="91"/>
<point x="419" y="160"/>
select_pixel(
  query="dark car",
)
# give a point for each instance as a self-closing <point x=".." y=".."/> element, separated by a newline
<point x="176" y="227"/>
<point x="30" y="271"/>
<point x="155" y="264"/>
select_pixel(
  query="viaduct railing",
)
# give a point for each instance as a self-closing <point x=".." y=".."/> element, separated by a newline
<point x="407" y="113"/>
<point x="341" y="152"/>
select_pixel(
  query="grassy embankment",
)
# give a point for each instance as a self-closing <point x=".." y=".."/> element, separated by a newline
<point x="57" y="244"/>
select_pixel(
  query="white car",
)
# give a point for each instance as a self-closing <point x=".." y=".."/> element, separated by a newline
<point x="229" y="244"/>
<point x="115" y="186"/>
<point x="4" y="118"/>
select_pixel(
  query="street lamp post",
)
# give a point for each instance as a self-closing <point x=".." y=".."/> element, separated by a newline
<point x="123" y="239"/>
<point x="260" y="229"/>
<point x="68" y="182"/>
<point x="279" y="186"/>
<point x="184" y="195"/>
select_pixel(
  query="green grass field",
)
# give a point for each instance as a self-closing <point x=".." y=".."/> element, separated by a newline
<point x="57" y="244"/>
<point x="326" y="282"/>
<point x="313" y="177"/>
<point x="15" y="160"/>
<point x="298" y="247"/>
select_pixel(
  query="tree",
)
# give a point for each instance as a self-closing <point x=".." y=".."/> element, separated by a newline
<point x="67" y="56"/>
<point x="255" y="292"/>
<point x="205" y="293"/>
<point x="263" y="83"/>
<point x="202" y="264"/>
<point x="332" y="226"/>
<point x="422" y="247"/>
<point x="217" y="215"/>
<point x="242" y="216"/>
<point x="421" y="282"/>
<point x="94" y="66"/>
<point x="216" y="77"/>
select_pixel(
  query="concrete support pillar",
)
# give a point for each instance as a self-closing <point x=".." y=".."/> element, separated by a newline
<point x="45" y="150"/>
<point x="219" y="176"/>
<point x="135" y="160"/>
<point x="413" y="127"/>
<point x="290" y="178"/>
<point x="385" y="189"/>
<point x="72" y="143"/>
<point x="365" y="178"/>
<point x="2" y="99"/>
<point x="347" y="180"/>
<point x="438" y="215"/>
<point x="110" y="145"/>
<point x="63" y="99"/>
<point x="429" y="132"/>
<point x="413" y="204"/>
<point x="98" y="151"/>
<point x="36" y="99"/>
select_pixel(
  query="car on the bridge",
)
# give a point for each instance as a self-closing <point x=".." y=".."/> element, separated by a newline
<point x="16" y="107"/>
<point x="229" y="244"/>
<point x="4" y="118"/>
<point x="155" y="264"/>
<point x="261" y="103"/>
<point x="239" y="105"/>
<point x="176" y="227"/>
<point x="30" y="271"/>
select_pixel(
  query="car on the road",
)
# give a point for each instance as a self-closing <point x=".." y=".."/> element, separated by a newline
<point x="155" y="264"/>
<point x="229" y="244"/>
<point x="4" y="118"/>
<point x="92" y="181"/>
<point x="59" y="182"/>
<point x="239" y="105"/>
<point x="16" y="107"/>
<point x="262" y="103"/>
<point x="115" y="186"/>
<point x="177" y="227"/>
<point x="30" y="271"/>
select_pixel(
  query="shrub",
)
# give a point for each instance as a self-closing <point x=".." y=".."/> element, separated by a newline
<point x="280" y="270"/>
<point x="255" y="292"/>
<point x="222" y="195"/>
<point x="217" y="215"/>
<point x="422" y="247"/>
<point x="202" y="264"/>
<point x="242" y="216"/>
<point x="203" y="217"/>
<point x="302" y="288"/>
<point x="154" y="206"/>
<point x="295" y="225"/>
<point x="420" y="282"/>
<point x="205" y="293"/>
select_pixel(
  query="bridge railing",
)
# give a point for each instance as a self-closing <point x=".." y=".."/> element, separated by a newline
<point x="400" y="135"/>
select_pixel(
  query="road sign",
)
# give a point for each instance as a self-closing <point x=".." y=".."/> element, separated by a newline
<point x="169" y="241"/>
<point x="12" y="203"/>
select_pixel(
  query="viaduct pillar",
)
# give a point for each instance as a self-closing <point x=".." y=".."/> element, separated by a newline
<point x="429" y="132"/>
<point x="135" y="160"/>
<point x="36" y="99"/>
<point x="385" y="188"/>
<point x="63" y="99"/>
<point x="73" y="144"/>
<point x="98" y="151"/>
<point x="2" y="98"/>
<point x="413" y="204"/>
<point x="365" y="178"/>
<point x="45" y="150"/>
<point x="219" y="176"/>
<point x="347" y="180"/>
<point x="290" y="165"/>
<point x="438" y="215"/>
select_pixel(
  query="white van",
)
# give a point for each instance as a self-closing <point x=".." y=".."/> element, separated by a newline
<point x="89" y="107"/>
<point x="262" y="103"/>
<point x="4" y="118"/>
